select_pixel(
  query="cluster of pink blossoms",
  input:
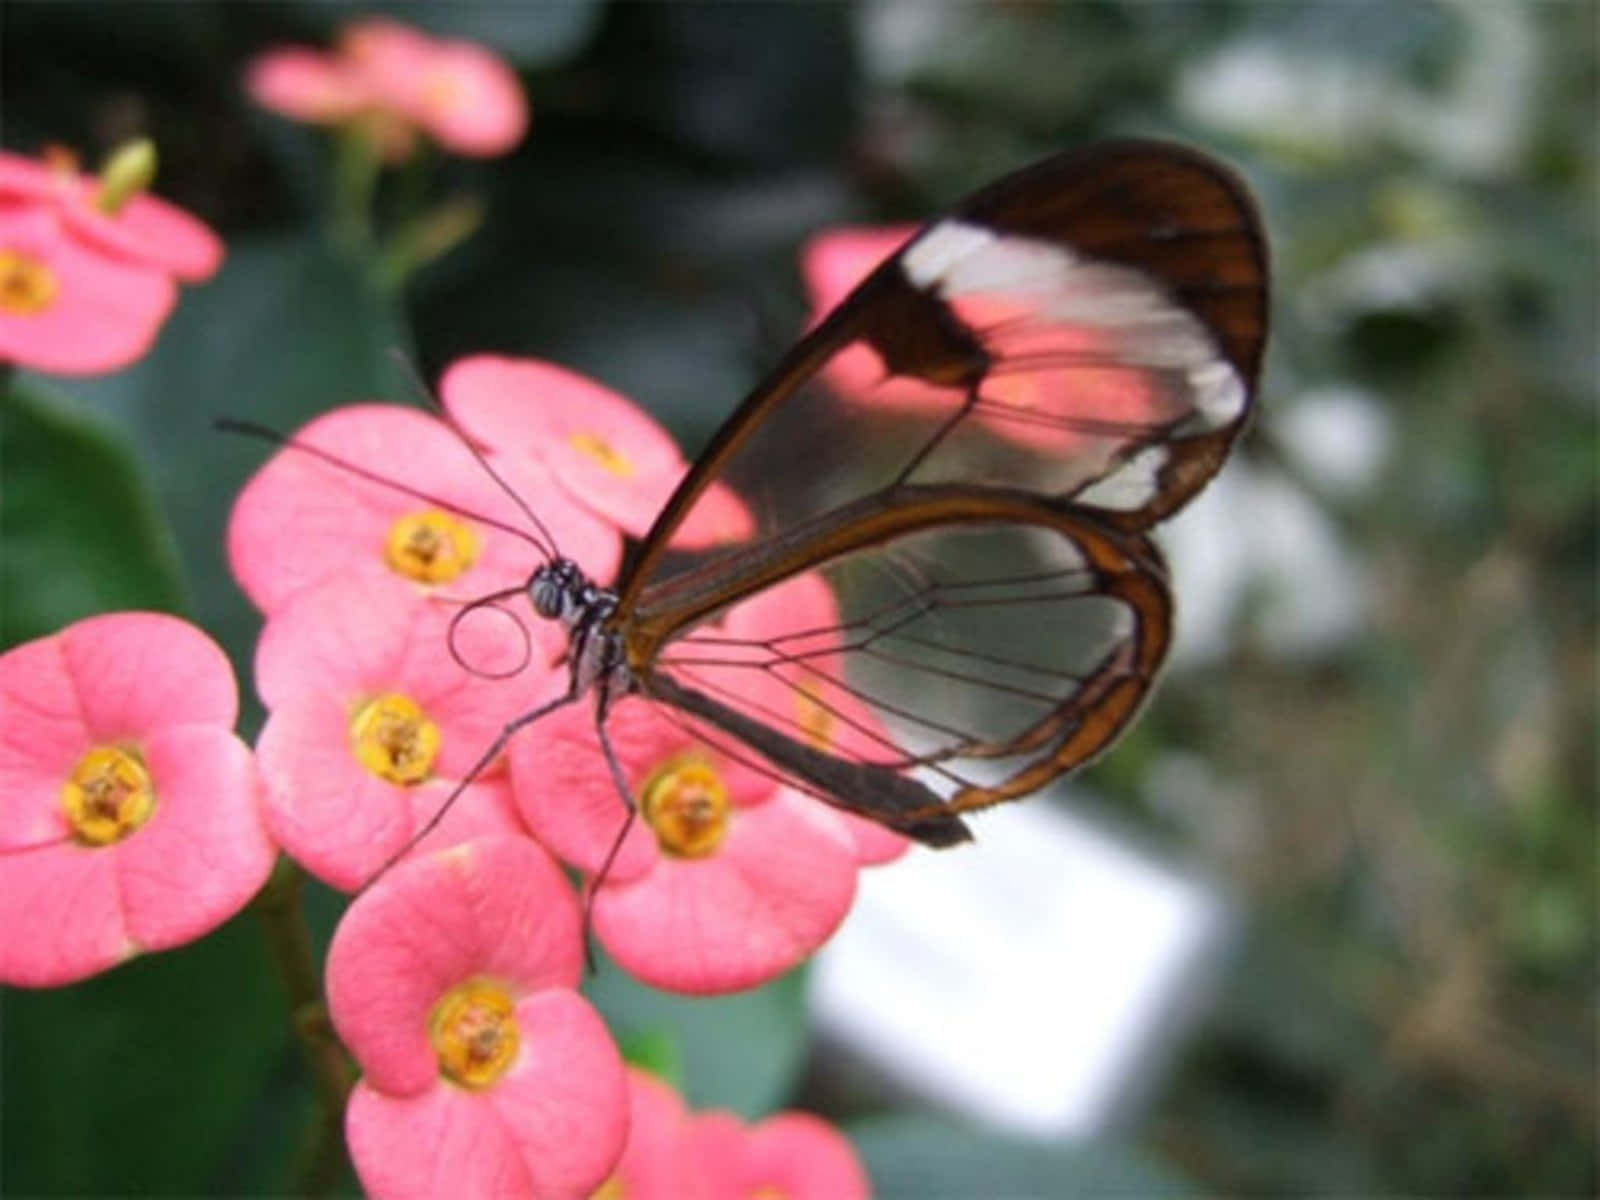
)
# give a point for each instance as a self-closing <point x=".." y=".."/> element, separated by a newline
<point x="90" y="265"/>
<point x="384" y="684"/>
<point x="394" y="81"/>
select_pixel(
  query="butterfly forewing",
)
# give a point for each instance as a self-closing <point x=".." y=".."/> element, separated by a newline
<point x="965" y="453"/>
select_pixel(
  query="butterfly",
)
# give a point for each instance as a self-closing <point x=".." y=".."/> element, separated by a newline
<point x="969" y="453"/>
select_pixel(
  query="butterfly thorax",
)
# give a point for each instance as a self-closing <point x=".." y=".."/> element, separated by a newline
<point x="560" y="591"/>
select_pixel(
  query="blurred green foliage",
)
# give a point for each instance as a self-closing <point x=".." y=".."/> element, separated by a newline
<point x="1408" y="814"/>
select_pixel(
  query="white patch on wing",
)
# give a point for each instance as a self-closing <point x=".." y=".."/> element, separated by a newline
<point x="927" y="260"/>
<point x="1141" y="326"/>
<point x="1131" y="486"/>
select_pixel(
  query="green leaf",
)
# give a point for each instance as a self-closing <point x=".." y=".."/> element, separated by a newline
<point x="930" y="1157"/>
<point x="741" y="1052"/>
<point x="172" y="1074"/>
<point x="81" y="530"/>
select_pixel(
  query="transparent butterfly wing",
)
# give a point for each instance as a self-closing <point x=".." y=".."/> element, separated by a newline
<point x="966" y="451"/>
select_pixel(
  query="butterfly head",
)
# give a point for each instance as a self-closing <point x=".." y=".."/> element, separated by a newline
<point x="560" y="591"/>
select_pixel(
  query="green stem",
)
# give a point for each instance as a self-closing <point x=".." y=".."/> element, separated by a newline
<point x="283" y="915"/>
<point x="355" y="186"/>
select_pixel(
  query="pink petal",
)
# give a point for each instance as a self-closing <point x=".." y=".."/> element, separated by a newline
<point x="104" y="314"/>
<point x="204" y="852"/>
<point x="793" y="1154"/>
<point x="306" y="85"/>
<point x="552" y="1126"/>
<point x="498" y="907"/>
<point x="25" y="178"/>
<point x="62" y="916"/>
<point x="834" y="262"/>
<point x="150" y="232"/>
<point x="875" y="844"/>
<point x="300" y="519"/>
<point x="386" y="51"/>
<point x="565" y="795"/>
<point x="568" y="799"/>
<point x="656" y="1163"/>
<point x="773" y="892"/>
<point x="806" y="1159"/>
<point x="332" y="816"/>
<point x="536" y="409"/>
<point x="470" y="101"/>
<point x="138" y="673"/>
<point x="42" y="737"/>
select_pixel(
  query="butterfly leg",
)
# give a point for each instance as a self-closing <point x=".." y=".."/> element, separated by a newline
<point x="512" y="728"/>
<point x="620" y="780"/>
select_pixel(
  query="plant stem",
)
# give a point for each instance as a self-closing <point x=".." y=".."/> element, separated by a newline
<point x="283" y="915"/>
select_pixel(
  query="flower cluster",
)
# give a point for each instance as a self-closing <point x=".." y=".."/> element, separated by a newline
<point x="389" y="555"/>
<point x="90" y="264"/>
<point x="388" y="675"/>
<point x="394" y="81"/>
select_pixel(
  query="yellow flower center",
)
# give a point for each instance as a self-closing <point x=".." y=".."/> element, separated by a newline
<point x="27" y="286"/>
<point x="431" y="546"/>
<point x="611" y="1189"/>
<point x="473" y="1030"/>
<point x="769" y="1191"/>
<point x="603" y="452"/>
<point x="686" y="804"/>
<point x="108" y="795"/>
<point x="393" y="738"/>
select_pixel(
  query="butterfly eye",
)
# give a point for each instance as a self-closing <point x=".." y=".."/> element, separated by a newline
<point x="547" y="594"/>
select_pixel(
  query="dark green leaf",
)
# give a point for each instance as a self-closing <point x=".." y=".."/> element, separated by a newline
<point x="81" y="530"/>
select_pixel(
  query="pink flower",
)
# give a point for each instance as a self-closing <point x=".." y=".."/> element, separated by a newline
<point x="655" y="1163"/>
<point x="68" y="310"/>
<point x="373" y="722"/>
<point x="725" y="880"/>
<point x="1064" y="403"/>
<point x="399" y="79"/>
<point x="606" y="453"/>
<point x="302" y="520"/>
<point x="143" y="231"/>
<point x="792" y="1154"/>
<point x="129" y="816"/>
<point x="453" y="983"/>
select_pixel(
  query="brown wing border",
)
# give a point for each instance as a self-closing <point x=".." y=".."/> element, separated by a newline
<point x="1125" y="566"/>
<point x="1159" y="207"/>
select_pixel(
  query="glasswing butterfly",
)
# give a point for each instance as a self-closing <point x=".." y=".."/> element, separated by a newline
<point x="969" y="450"/>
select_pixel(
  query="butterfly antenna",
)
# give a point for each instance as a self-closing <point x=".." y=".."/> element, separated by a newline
<point x="434" y="405"/>
<point x="492" y="600"/>
<point x="267" y="434"/>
